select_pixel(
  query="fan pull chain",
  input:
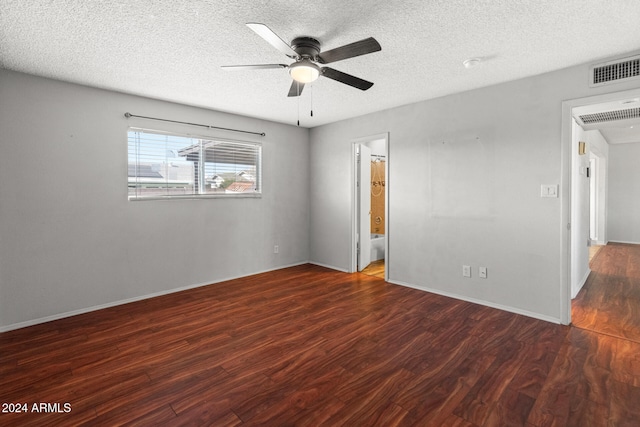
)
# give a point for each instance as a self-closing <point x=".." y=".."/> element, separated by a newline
<point x="311" y="100"/>
<point x="298" y="90"/>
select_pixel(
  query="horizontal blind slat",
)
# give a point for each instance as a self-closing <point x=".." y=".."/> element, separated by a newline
<point x="165" y="165"/>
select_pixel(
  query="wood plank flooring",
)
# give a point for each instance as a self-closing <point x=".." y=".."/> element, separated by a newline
<point x="308" y="346"/>
<point x="376" y="268"/>
<point x="593" y="251"/>
<point x="609" y="301"/>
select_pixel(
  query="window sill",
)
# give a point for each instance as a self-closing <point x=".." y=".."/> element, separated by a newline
<point x="193" y="197"/>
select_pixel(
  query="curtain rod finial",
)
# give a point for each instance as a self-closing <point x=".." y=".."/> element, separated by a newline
<point x="127" y="114"/>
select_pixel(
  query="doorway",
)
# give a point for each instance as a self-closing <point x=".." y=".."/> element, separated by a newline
<point x="597" y="198"/>
<point x="593" y="176"/>
<point x="370" y="237"/>
<point x="584" y="215"/>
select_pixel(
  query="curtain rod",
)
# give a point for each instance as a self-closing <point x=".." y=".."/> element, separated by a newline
<point x="127" y="115"/>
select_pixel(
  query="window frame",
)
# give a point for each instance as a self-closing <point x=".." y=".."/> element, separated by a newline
<point x="257" y="146"/>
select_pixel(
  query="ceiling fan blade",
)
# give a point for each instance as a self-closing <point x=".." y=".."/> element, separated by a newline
<point x="296" y="88"/>
<point x="253" y="67"/>
<point x="345" y="78"/>
<point x="351" y="50"/>
<point x="273" y="39"/>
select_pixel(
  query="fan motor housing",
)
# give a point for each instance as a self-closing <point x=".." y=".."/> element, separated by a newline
<point x="306" y="47"/>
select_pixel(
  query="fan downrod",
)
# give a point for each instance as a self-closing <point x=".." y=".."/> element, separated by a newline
<point x="306" y="47"/>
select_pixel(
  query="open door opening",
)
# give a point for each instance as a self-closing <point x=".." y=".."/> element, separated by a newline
<point x="593" y="199"/>
<point x="370" y="207"/>
<point x="364" y="206"/>
<point x="586" y="213"/>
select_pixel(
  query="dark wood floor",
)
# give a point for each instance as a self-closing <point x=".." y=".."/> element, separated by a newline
<point x="609" y="301"/>
<point x="307" y="346"/>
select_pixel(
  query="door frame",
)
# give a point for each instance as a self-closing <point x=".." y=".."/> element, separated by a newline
<point x="600" y="177"/>
<point x="566" y="189"/>
<point x="354" y="201"/>
<point x="364" y="206"/>
<point x="595" y="233"/>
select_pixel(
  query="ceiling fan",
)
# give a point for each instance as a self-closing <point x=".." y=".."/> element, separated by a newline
<point x="307" y="54"/>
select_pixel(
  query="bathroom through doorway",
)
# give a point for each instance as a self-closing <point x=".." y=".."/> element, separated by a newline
<point x="371" y="207"/>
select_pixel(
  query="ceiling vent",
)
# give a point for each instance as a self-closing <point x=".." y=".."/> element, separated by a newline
<point x="610" y="116"/>
<point x="618" y="71"/>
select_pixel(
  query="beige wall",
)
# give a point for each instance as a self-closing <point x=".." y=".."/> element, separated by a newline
<point x="378" y="182"/>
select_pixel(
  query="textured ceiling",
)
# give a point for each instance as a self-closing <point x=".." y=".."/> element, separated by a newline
<point x="173" y="50"/>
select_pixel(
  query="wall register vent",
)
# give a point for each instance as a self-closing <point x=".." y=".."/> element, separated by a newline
<point x="610" y="116"/>
<point x="615" y="71"/>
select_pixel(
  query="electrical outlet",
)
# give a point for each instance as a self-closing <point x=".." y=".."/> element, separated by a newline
<point x="482" y="272"/>
<point x="466" y="271"/>
<point x="276" y="249"/>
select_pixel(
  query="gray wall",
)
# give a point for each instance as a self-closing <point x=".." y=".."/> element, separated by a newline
<point x="464" y="188"/>
<point x="464" y="173"/>
<point x="71" y="241"/>
<point x="624" y="193"/>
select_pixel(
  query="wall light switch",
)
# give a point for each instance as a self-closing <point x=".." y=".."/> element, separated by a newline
<point x="482" y="272"/>
<point x="547" y="190"/>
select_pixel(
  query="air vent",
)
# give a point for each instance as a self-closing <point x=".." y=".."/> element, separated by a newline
<point x="610" y="116"/>
<point x="615" y="71"/>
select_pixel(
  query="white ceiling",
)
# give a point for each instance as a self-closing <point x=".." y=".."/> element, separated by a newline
<point x="173" y="49"/>
<point x="621" y="135"/>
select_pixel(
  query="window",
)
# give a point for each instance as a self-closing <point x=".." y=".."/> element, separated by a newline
<point x="163" y="165"/>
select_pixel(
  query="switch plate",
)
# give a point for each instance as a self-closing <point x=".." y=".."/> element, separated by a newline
<point x="466" y="271"/>
<point x="276" y="249"/>
<point x="482" y="272"/>
<point x="547" y="190"/>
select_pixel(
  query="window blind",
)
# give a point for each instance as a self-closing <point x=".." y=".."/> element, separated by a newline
<point x="164" y="165"/>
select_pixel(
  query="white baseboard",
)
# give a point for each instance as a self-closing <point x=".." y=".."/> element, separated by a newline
<point x="184" y="288"/>
<point x="624" y="241"/>
<point x="129" y="300"/>
<point x="329" y="266"/>
<point x="480" y="302"/>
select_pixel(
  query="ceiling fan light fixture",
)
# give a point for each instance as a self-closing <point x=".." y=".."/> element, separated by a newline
<point x="305" y="51"/>
<point x="304" y="71"/>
